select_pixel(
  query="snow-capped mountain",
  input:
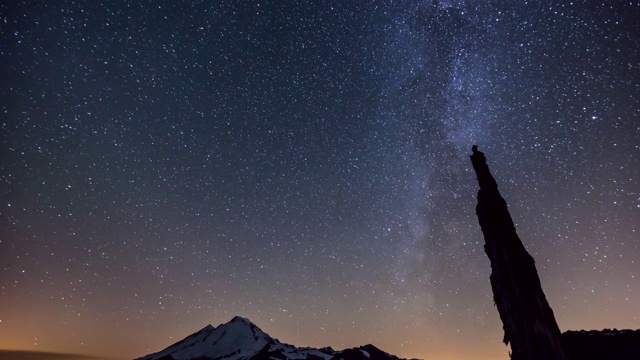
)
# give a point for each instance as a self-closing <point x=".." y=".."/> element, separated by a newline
<point x="239" y="339"/>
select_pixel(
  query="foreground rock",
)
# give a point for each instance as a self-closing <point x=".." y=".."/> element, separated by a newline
<point x="602" y="345"/>
<point x="528" y="321"/>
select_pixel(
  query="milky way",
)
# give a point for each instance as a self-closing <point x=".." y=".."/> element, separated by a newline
<point x="166" y="165"/>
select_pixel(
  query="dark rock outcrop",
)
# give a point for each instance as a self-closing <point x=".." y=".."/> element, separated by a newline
<point x="602" y="345"/>
<point x="528" y="321"/>
<point x="367" y="352"/>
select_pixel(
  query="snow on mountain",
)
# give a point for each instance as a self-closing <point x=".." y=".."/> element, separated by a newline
<point x="239" y="339"/>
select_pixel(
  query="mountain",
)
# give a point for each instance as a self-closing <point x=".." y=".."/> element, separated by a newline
<point x="240" y="339"/>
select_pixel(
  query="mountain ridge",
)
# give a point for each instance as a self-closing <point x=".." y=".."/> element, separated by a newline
<point x="240" y="339"/>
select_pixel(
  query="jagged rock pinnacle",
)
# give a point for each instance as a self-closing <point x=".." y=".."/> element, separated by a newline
<point x="528" y="321"/>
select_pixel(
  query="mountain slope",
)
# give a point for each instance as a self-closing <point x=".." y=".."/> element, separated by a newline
<point x="239" y="339"/>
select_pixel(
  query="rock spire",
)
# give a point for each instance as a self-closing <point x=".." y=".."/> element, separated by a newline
<point x="528" y="321"/>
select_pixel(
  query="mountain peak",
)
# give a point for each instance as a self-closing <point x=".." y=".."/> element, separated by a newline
<point x="236" y="340"/>
<point x="240" y="339"/>
<point x="240" y="319"/>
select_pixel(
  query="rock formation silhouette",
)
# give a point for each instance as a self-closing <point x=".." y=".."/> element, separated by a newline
<point x="604" y="344"/>
<point x="528" y="321"/>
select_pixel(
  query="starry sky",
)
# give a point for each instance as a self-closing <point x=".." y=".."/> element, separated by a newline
<point x="165" y="165"/>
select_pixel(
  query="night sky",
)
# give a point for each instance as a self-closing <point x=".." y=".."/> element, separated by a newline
<point x="170" y="164"/>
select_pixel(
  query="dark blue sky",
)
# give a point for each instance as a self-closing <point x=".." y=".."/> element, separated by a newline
<point x="170" y="164"/>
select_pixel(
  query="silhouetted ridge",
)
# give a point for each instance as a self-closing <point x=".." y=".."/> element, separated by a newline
<point x="602" y="345"/>
<point x="367" y="352"/>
